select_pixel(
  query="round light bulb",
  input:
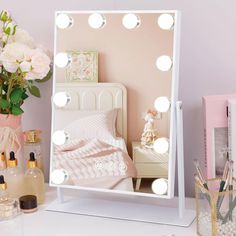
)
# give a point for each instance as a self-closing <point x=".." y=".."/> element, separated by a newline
<point x="162" y="104"/>
<point x="164" y="63"/>
<point x="96" y="21"/>
<point x="165" y="21"/>
<point x="59" y="137"/>
<point x="62" y="60"/>
<point x="61" y="99"/>
<point x="59" y="176"/>
<point x="131" y="21"/>
<point x="160" y="186"/>
<point x="161" y="145"/>
<point x="63" y="21"/>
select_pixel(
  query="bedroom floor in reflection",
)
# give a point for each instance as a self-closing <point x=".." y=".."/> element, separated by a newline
<point x="145" y="186"/>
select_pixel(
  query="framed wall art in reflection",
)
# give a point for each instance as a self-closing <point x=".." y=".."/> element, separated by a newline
<point x="83" y="67"/>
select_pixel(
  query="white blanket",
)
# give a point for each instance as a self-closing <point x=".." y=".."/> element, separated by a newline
<point x="93" y="163"/>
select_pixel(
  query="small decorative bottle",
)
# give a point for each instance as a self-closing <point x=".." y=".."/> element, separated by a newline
<point x="14" y="177"/>
<point x="34" y="180"/>
<point x="33" y="144"/>
<point x="9" y="207"/>
<point x="3" y="165"/>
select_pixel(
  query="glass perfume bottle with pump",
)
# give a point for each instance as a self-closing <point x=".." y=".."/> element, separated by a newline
<point x="9" y="207"/>
<point x="14" y="177"/>
<point x="34" y="180"/>
<point x="33" y="144"/>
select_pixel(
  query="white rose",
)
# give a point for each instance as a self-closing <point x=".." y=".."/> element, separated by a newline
<point x="45" y="50"/>
<point x="22" y="36"/>
<point x="10" y="66"/>
<point x="40" y="63"/>
<point x="25" y="66"/>
<point x="12" y="55"/>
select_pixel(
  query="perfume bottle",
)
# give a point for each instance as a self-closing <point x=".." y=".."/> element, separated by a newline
<point x="32" y="143"/>
<point x="9" y="207"/>
<point x="14" y="177"/>
<point x="34" y="180"/>
<point x="3" y="164"/>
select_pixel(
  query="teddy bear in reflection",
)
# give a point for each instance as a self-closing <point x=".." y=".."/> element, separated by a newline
<point x="149" y="134"/>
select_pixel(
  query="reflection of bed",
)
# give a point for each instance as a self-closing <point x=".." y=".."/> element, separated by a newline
<point x="95" y="98"/>
<point x="126" y="184"/>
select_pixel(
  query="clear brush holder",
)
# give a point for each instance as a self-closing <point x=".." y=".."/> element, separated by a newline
<point x="216" y="211"/>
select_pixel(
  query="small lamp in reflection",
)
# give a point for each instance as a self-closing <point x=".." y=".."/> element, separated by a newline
<point x="62" y="60"/>
<point x="162" y="104"/>
<point x="164" y="63"/>
<point x="161" y="145"/>
<point x="131" y="21"/>
<point x="59" y="176"/>
<point x="160" y="186"/>
<point x="61" y="99"/>
<point x="166" y="21"/>
<point x="59" y="137"/>
<point x="63" y="21"/>
<point x="96" y="21"/>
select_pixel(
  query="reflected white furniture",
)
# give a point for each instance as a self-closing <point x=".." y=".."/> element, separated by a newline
<point x="148" y="163"/>
<point x="45" y="223"/>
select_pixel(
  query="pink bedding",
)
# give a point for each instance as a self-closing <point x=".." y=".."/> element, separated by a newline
<point x="93" y="163"/>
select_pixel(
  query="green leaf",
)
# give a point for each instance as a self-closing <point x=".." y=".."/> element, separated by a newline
<point x="34" y="91"/>
<point x="14" y="30"/>
<point x="4" y="16"/>
<point x="7" y="31"/>
<point x="24" y="96"/>
<point x="16" y="110"/>
<point x="16" y="95"/>
<point x="46" y="78"/>
<point x="4" y="104"/>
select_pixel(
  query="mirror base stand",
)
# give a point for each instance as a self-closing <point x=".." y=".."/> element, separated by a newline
<point x="128" y="210"/>
<point x="121" y="210"/>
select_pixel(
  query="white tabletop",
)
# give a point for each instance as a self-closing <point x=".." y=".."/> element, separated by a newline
<point x="46" y="223"/>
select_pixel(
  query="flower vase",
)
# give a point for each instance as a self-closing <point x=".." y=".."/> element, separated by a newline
<point x="11" y="136"/>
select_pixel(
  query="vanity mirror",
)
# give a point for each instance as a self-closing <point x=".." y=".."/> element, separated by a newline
<point x="133" y="57"/>
<point x="110" y="67"/>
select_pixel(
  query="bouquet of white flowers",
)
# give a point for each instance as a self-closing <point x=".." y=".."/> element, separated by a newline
<point x="22" y="65"/>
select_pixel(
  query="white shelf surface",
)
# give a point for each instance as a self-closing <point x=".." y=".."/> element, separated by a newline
<point x="48" y="223"/>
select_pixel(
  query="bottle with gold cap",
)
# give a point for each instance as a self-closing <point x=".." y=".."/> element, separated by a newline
<point x="14" y="177"/>
<point x="3" y="165"/>
<point x="34" y="180"/>
<point x="3" y="189"/>
<point x="33" y="144"/>
<point x="9" y="207"/>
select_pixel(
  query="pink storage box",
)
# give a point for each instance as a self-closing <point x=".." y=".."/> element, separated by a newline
<point x="216" y="132"/>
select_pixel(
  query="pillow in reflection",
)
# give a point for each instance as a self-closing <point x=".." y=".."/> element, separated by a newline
<point x="100" y="124"/>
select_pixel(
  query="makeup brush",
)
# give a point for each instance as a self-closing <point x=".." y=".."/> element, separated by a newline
<point x="225" y="173"/>
<point x="200" y="175"/>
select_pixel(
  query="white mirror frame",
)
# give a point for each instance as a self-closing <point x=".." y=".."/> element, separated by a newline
<point x="173" y="100"/>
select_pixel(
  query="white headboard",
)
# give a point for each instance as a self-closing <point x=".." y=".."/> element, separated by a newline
<point x="98" y="97"/>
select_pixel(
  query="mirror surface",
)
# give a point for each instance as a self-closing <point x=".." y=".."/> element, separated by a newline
<point x="115" y="87"/>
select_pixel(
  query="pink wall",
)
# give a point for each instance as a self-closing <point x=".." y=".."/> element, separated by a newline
<point x="207" y="63"/>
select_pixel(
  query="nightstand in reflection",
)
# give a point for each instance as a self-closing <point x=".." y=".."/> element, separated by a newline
<point x="148" y="163"/>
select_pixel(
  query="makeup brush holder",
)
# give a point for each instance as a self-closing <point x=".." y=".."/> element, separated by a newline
<point x="216" y="211"/>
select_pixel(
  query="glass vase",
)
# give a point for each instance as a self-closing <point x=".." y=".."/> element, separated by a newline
<point x="216" y="211"/>
<point x="11" y="136"/>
